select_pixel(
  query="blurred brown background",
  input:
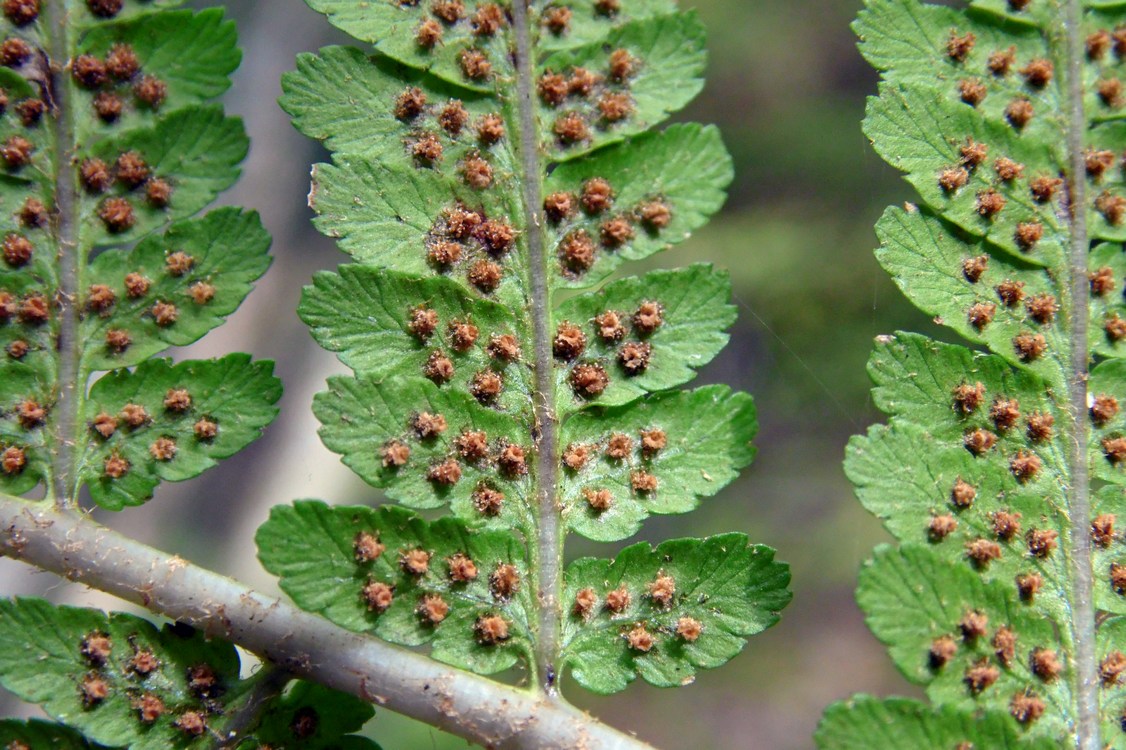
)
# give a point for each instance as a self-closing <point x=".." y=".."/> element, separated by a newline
<point x="787" y="88"/>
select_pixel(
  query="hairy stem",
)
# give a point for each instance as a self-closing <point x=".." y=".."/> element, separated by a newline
<point x="71" y="391"/>
<point x="471" y="707"/>
<point x="549" y="545"/>
<point x="1079" y="502"/>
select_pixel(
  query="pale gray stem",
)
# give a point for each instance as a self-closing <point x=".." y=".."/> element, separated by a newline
<point x="65" y="413"/>
<point x="1079" y="501"/>
<point x="549" y="545"/>
<point x="475" y="708"/>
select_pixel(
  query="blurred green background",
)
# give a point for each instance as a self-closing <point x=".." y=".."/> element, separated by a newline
<point x="787" y="88"/>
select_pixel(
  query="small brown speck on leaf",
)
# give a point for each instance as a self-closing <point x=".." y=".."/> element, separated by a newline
<point x="378" y="596"/>
<point x="1019" y="112"/>
<point x="942" y="650"/>
<point x="1001" y="61"/>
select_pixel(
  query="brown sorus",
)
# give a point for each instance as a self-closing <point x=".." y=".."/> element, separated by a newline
<point x="165" y="314"/>
<point x="569" y="342"/>
<point x="1044" y="188"/>
<point x="31" y="414"/>
<point x="444" y="253"/>
<point x="643" y="482"/>
<point x="1007" y="169"/>
<point x="609" y="326"/>
<point x="488" y="20"/>
<point x="490" y="630"/>
<point x="201" y="292"/>
<point x="1097" y="162"/>
<point x="616" y="232"/>
<point x="619" y="446"/>
<point x="378" y="596"/>
<point x="1103" y="410"/>
<point x="1004" y="413"/>
<point x="688" y="629"/>
<point x="981" y="314"/>
<point x="1029" y="346"/>
<point x="13" y="460"/>
<point x="487" y="500"/>
<point x="462" y="223"/>
<point x="1102" y="281"/>
<point x="557" y="20"/>
<point x="132" y="170"/>
<point x="429" y="34"/>
<point x="427" y="425"/>
<point x="958" y="48"/>
<point x="1028" y="584"/>
<point x="662" y="590"/>
<point x="614" y="106"/>
<point x="504" y="347"/>
<point x="17" y="250"/>
<point x="582" y="82"/>
<point x="1112" y="667"/>
<point x="1102" y="530"/>
<point x="178" y="263"/>
<point x="940" y="527"/>
<point x="144" y="663"/>
<point x="600" y="500"/>
<point x="449" y="11"/>
<point x="1004" y="644"/>
<point x="1040" y="426"/>
<point x="134" y="415"/>
<point x="95" y="175"/>
<point x="446" y="473"/>
<point x="1097" y="44"/>
<point x="18" y="349"/>
<point x="596" y="196"/>
<point x="14" y="52"/>
<point x="21" y="12"/>
<point x="640" y="639"/>
<point x="1019" y="112"/>
<point x="979" y="441"/>
<point x="1045" y="664"/>
<point x="497" y="236"/>
<point x="472" y="445"/>
<point x="576" y="455"/>
<point x="415" y="562"/>
<point x="158" y="193"/>
<point x="973" y="624"/>
<point x="104" y="8"/>
<point x="607" y="7"/>
<point x="177" y="400"/>
<point x="504" y="581"/>
<point x="1026" y="707"/>
<point x="653" y="441"/>
<point x="136" y="285"/>
<point x="589" y="380"/>
<point x="1010" y="292"/>
<point x="89" y="71"/>
<point x="552" y="88"/>
<point x="585" y="603"/>
<point x="485" y="276"/>
<point x="105" y="425"/>
<point x="118" y="340"/>
<point x="1006" y="524"/>
<point x="305" y="723"/>
<point x="577" y="252"/>
<point x="967" y="398"/>
<point x="973" y="153"/>
<point x="205" y="429"/>
<point x="115" y="466"/>
<point x="1112" y="207"/>
<point x="1038" y="72"/>
<point x="952" y="179"/>
<point x="622" y="65"/>
<point x="433" y="609"/>
<point x="512" y="461"/>
<point x="571" y="128"/>
<point x="1118" y="578"/>
<point x="410" y="103"/>
<point x="34" y="310"/>
<point x="942" y="650"/>
<point x="1001" y="61"/>
<point x="649" y="317"/>
<point x="990" y="203"/>
<point x="462" y="569"/>
<point x="423" y="322"/>
<point x="486" y="386"/>
<point x="117" y="214"/>
<point x="634" y="357"/>
<point x="655" y="215"/>
<point x="618" y="600"/>
<point x="475" y="64"/>
<point x="1027" y="234"/>
<point x="96" y="648"/>
<point x="149" y="708"/>
<point x="974" y="268"/>
<point x="490" y="129"/>
<point x="1041" y="542"/>
<point x="394" y="454"/>
<point x="453" y="117"/>
<point x="427" y="149"/>
<point x="981" y="676"/>
<point x="1115" y="327"/>
<point x="972" y="91"/>
<point x="151" y="91"/>
<point x="1110" y="92"/>
<point x="1025" y="466"/>
<point x="463" y="334"/>
<point x="30" y="111"/>
<point x="33" y="214"/>
<point x="122" y="63"/>
<point x="94" y="690"/>
<point x="108" y="106"/>
<point x="163" y="449"/>
<point x="558" y="206"/>
<point x="1115" y="449"/>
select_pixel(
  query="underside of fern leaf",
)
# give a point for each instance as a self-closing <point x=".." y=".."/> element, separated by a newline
<point x="1000" y="471"/>
<point x="490" y="161"/>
